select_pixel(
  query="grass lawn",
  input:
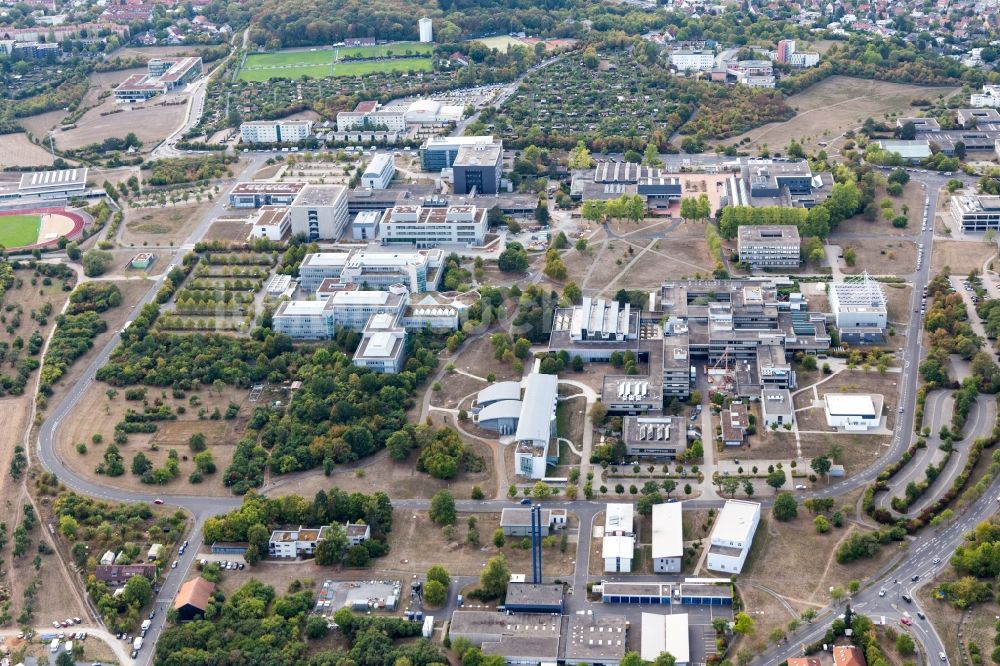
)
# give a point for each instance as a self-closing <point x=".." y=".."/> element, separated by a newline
<point x="256" y="71"/>
<point x="19" y="230"/>
<point x="396" y="49"/>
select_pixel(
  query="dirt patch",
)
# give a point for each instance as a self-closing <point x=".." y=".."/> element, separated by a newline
<point x="961" y="257"/>
<point x="881" y="257"/>
<point x="160" y="226"/>
<point x="416" y="544"/>
<point x="151" y="122"/>
<point x="457" y="390"/>
<point x="268" y="172"/>
<point x="638" y="264"/>
<point x="831" y="107"/>
<point x="98" y="415"/>
<point x="228" y="230"/>
<point x="898" y="299"/>
<point x="18" y="150"/>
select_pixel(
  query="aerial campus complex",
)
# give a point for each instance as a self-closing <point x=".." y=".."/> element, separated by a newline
<point x="500" y="334"/>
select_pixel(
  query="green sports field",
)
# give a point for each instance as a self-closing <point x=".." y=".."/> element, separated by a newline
<point x="319" y="63"/>
<point x="19" y="230"/>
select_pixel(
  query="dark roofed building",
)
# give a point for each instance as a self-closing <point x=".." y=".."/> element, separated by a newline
<point x="193" y="597"/>
<point x="118" y="574"/>
<point x="531" y="598"/>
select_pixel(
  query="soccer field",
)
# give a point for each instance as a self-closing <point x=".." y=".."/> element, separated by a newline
<point x="350" y="68"/>
<point x="318" y="63"/>
<point x="19" y="230"/>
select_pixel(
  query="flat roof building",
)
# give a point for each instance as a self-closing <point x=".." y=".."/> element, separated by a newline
<point x="665" y="633"/>
<point x="163" y="75"/>
<point x="853" y="412"/>
<point x="379" y="173"/>
<point x="319" y="212"/>
<point x="976" y="212"/>
<point x="53" y="184"/>
<point x="429" y="227"/>
<point x="255" y="195"/>
<point x="516" y="521"/>
<point x="439" y="152"/>
<point x="777" y="407"/>
<point x="859" y="310"/>
<point x="769" y="246"/>
<point x="532" y="598"/>
<point x="272" y="222"/>
<point x="478" y="168"/>
<point x="912" y="150"/>
<point x="732" y="536"/>
<point x="295" y="543"/>
<point x="618" y="547"/>
<point x="668" y="538"/>
<point x="654" y="436"/>
<point x="275" y="131"/>
<point x="383" y="345"/>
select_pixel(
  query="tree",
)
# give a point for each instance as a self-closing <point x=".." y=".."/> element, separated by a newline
<point x="442" y="509"/>
<point x="837" y="594"/>
<point x="572" y="292"/>
<point x="435" y="593"/>
<point x="95" y="262"/>
<point x="541" y="490"/>
<point x="598" y="412"/>
<point x="744" y="624"/>
<point x="905" y="645"/>
<point x="494" y="578"/>
<point x="138" y="591"/>
<point x="316" y="627"/>
<point x="579" y="157"/>
<point x="333" y="547"/>
<point x="821" y="465"/>
<point x="141" y="464"/>
<point x="669" y="486"/>
<point x="729" y="485"/>
<point x="908" y="131"/>
<point x="438" y="573"/>
<point x="197" y="442"/>
<point x="665" y="659"/>
<point x="822" y="524"/>
<point x="651" y="156"/>
<point x="590" y="59"/>
<point x="785" y="507"/>
<point x="776" y="479"/>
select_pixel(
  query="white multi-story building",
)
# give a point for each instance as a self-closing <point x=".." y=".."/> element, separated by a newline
<point x="349" y="309"/>
<point x="295" y="543"/>
<point x="685" y="60"/>
<point x="732" y="536"/>
<point x="976" y="212"/>
<point x="752" y="73"/>
<point x="989" y="98"/>
<point x="383" y="345"/>
<point x="320" y="212"/>
<point x="425" y="227"/>
<point x="804" y="59"/>
<point x="426" y="30"/>
<point x="769" y="245"/>
<point x="419" y="270"/>
<point x="859" y="309"/>
<point x="668" y="538"/>
<point x="853" y="412"/>
<point x="272" y="223"/>
<point x="368" y="115"/>
<point x="618" y="546"/>
<point x="536" y="426"/>
<point x="276" y="131"/>
<point x="379" y="172"/>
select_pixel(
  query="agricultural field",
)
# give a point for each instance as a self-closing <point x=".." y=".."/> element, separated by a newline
<point x="151" y="123"/>
<point x="16" y="150"/>
<point x="829" y="108"/>
<point x="323" y="63"/>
